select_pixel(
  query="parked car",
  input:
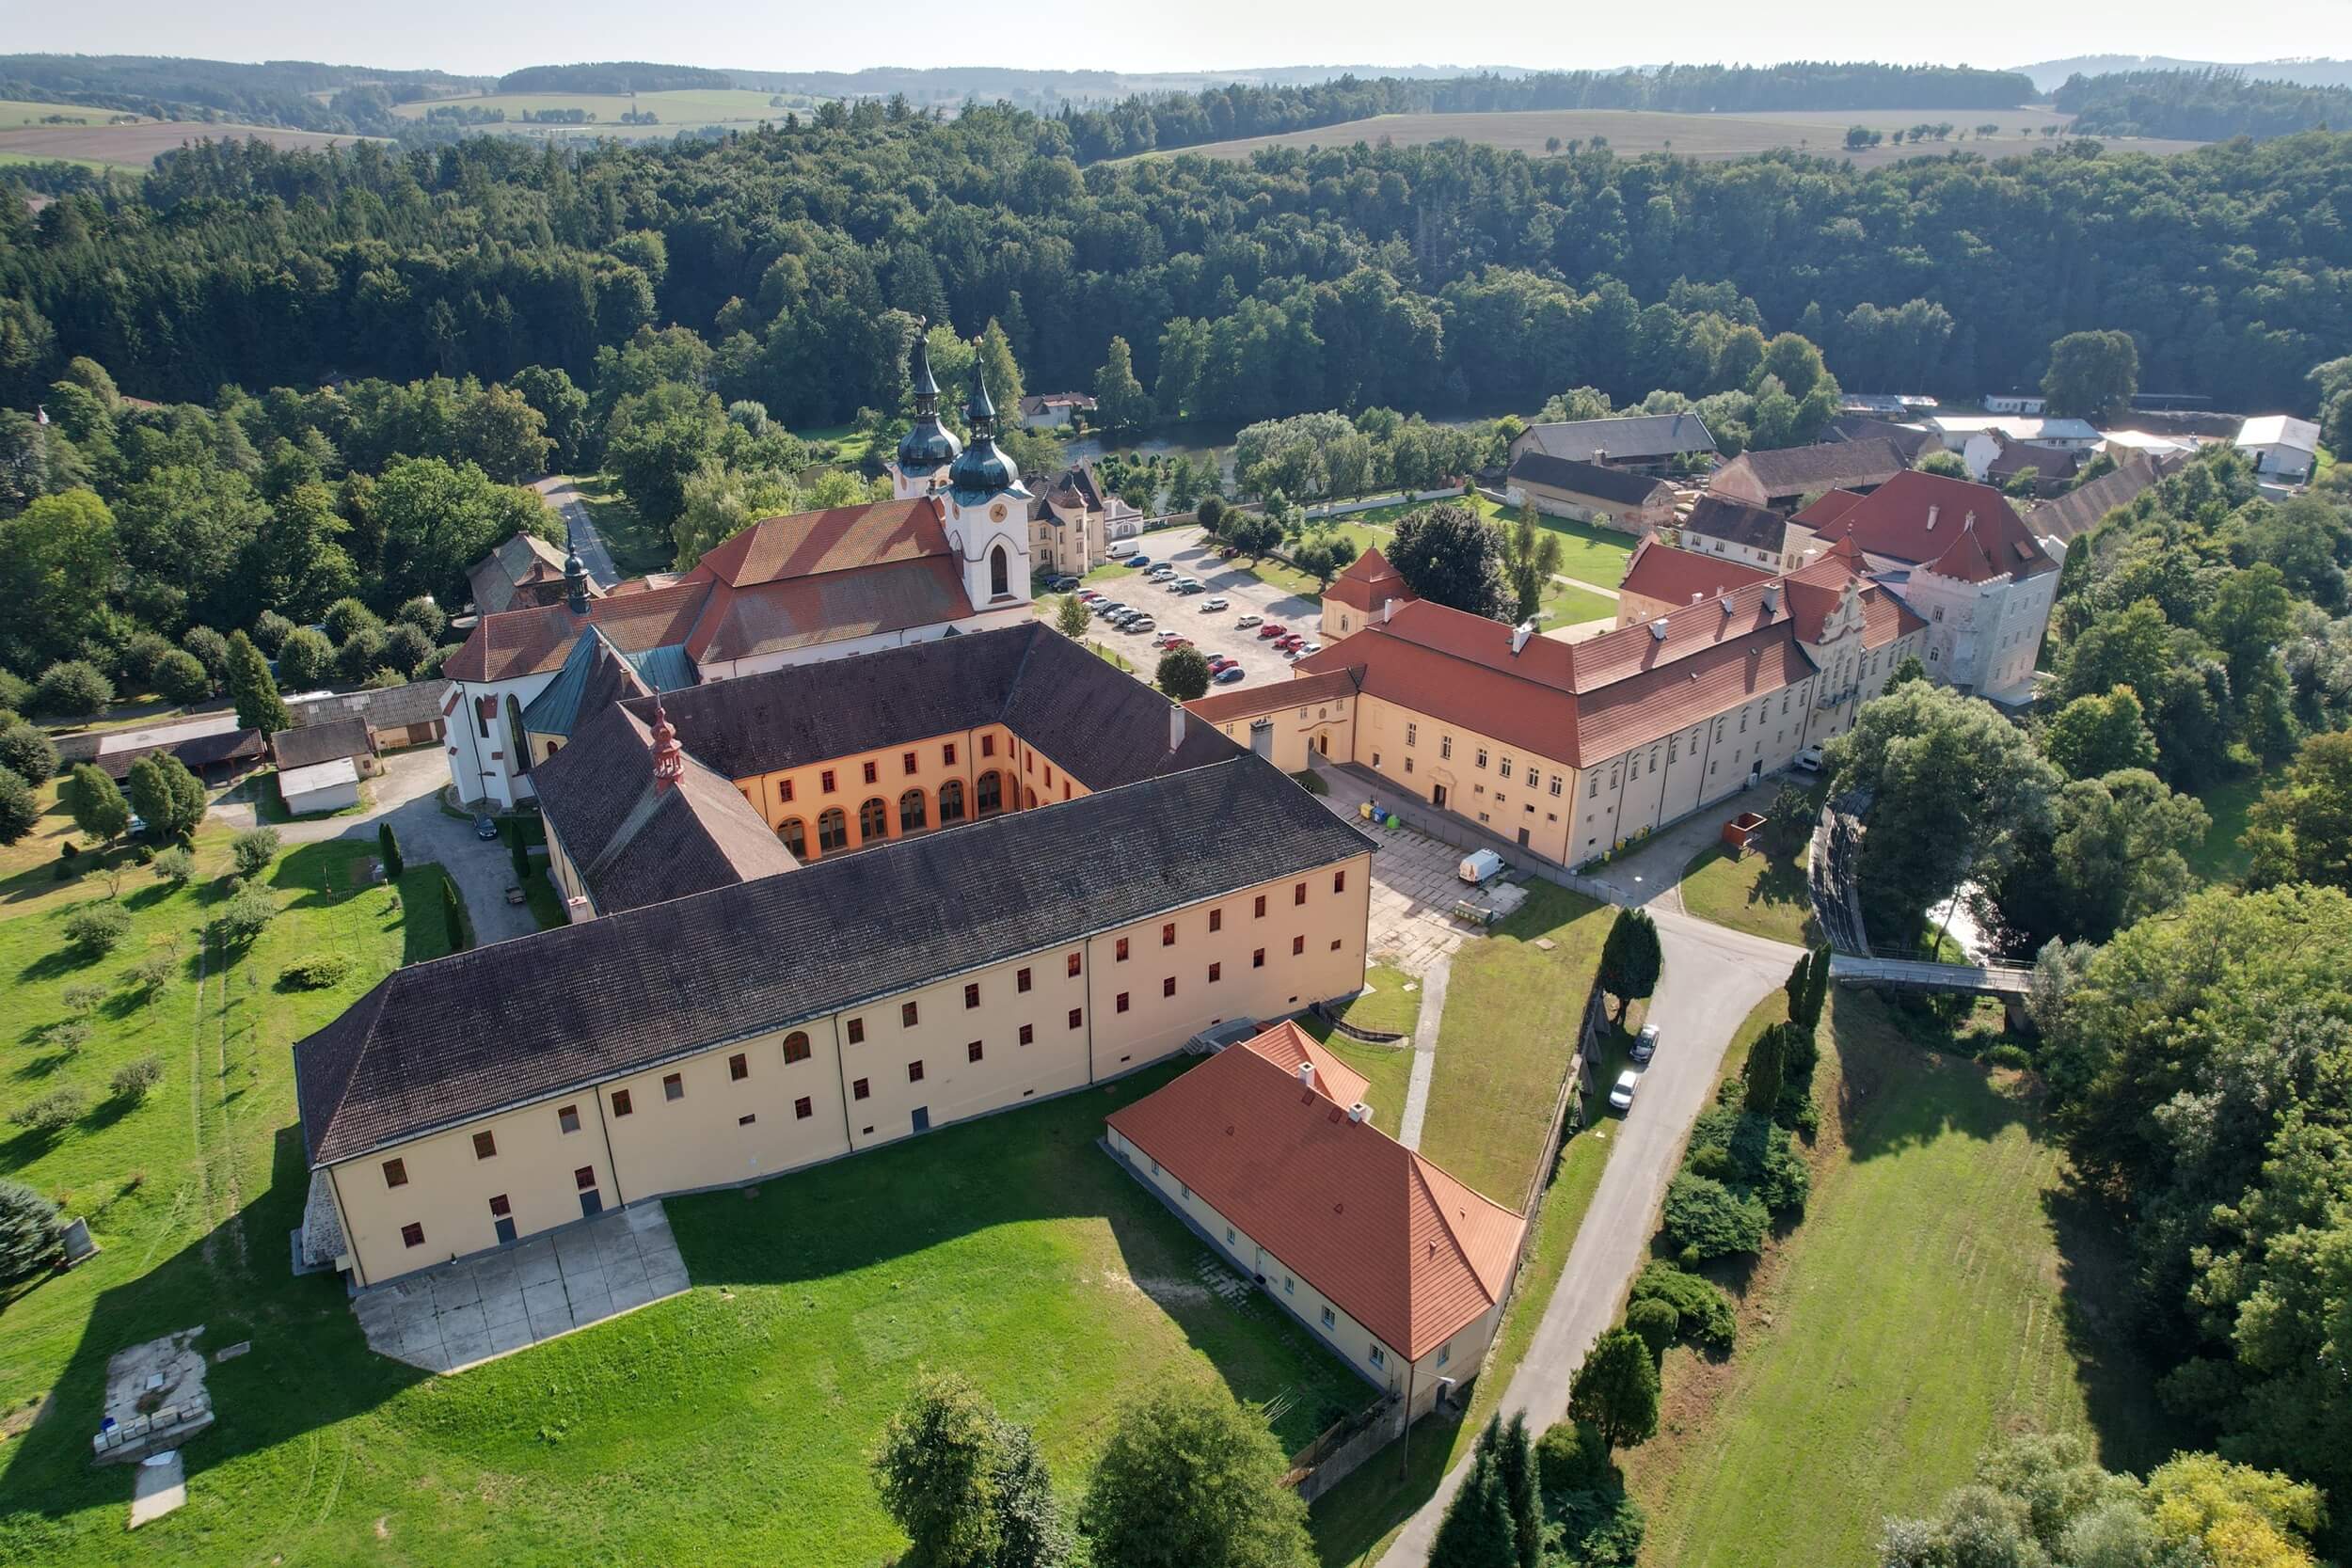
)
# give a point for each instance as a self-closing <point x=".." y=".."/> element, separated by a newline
<point x="1088" y="596"/>
<point x="1306" y="648"/>
<point x="1810" y="759"/>
<point x="1218" y="662"/>
<point x="1228" y="553"/>
<point x="1139" y="625"/>
<point x="1621" y="1097"/>
<point x="1645" y="1044"/>
<point x="1211" y="606"/>
<point x="1479" y="867"/>
<point x="1247" y="621"/>
<point x="1138" y="561"/>
<point x="1063" y="585"/>
<point x="1230" y="673"/>
<point x="1271" y="630"/>
<point x="486" y="827"/>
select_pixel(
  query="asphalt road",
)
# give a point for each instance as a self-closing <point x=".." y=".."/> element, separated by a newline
<point x="562" y="494"/>
<point x="1713" y="978"/>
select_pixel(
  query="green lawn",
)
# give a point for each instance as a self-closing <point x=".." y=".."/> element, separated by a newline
<point x="1567" y="606"/>
<point x="2220" y="857"/>
<point x="855" y="445"/>
<point x="637" y="546"/>
<point x="1947" y="1286"/>
<point x="1590" y="553"/>
<point x="1385" y="1005"/>
<point x="1510" y="1024"/>
<point x="731" y="1423"/>
<point x="1766" y="895"/>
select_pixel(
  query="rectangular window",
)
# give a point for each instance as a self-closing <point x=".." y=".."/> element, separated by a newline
<point x="1077" y="1015"/>
<point x="907" y="761"/>
<point x="824" y="781"/>
<point x="1379" y="1356"/>
<point x="1339" y="882"/>
<point x="857" y="1031"/>
<point x="412" y="1235"/>
<point x="915" y="1073"/>
<point x="906" y="1015"/>
<point x="1028" y="1033"/>
<point x="1328" y="1321"/>
<point x="485" y="1146"/>
<point x="1592" y="788"/>
<point x="568" y="1118"/>
<point x="1216" y="919"/>
<point x="1217" y="973"/>
<point x="988" y="744"/>
<point x="499" y="1207"/>
<point x="1028" y="762"/>
<point x="1021" y="980"/>
<point x="1480" y="761"/>
<point x="747" y="1118"/>
<point x="1073" y="965"/>
<point x="1288" y="1284"/>
<point x="395" y="1173"/>
<point x="784" y="790"/>
<point x="738" y="1068"/>
<point x="972" y="1052"/>
<point x="947" y="754"/>
<point x="1121" y="1005"/>
<point x="1261" y="907"/>
<point x="1121" y="952"/>
<point x="1298" y="945"/>
<point x="584" y="1178"/>
<point x="1412" y="735"/>
<point x="971" y="995"/>
<point x="1257" y="959"/>
<point x="873" y="773"/>
<point x="1298" y="893"/>
<point x="795" y="1048"/>
<point x="1445" y="1354"/>
<point x="1504" y="766"/>
<point x="1229" y="1235"/>
<point x="861" y="1089"/>
<point x="621" y="1105"/>
<point x="1168" y="934"/>
<point x="1445" y="746"/>
<point x="803" y="1109"/>
<point x="1168" y="986"/>
<point x="1049" y="775"/>
<point x="672" y="1086"/>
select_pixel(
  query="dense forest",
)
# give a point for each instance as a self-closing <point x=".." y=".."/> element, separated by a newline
<point x="272" y="93"/>
<point x="612" y="77"/>
<point x="1415" y="277"/>
<point x="2201" y="105"/>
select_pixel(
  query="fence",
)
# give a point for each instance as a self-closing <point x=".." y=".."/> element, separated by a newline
<point x="1343" y="1447"/>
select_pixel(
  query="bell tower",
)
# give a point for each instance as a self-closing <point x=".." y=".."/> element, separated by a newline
<point x="988" y="510"/>
<point x="929" y="447"/>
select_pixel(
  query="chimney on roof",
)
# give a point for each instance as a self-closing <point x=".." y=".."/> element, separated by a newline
<point x="1388" y="612"/>
<point x="1771" y="597"/>
<point x="669" y="757"/>
<point x="1306" y="1076"/>
<point x="1968" y="522"/>
<point x="1658" y="629"/>
<point x="1932" y="511"/>
<point x="1728" y="605"/>
<point x="1359" y="1112"/>
<point x="1175" y="725"/>
<point x="1520" y="634"/>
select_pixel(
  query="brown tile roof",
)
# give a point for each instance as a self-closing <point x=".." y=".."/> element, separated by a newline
<point x="1678" y="577"/>
<point x="1248" y="702"/>
<point x="1594" y="480"/>
<point x="1735" y="522"/>
<point x="2048" y="463"/>
<point x="1404" y="1249"/>
<point x="1369" y="582"/>
<point x="533" y="641"/>
<point x="2077" y="513"/>
<point x="1861" y="427"/>
<point x="1827" y="509"/>
<point x="1916" y="516"/>
<point x="840" y="539"/>
<point x="1794" y="470"/>
<point x="1289" y="1047"/>
<point x="796" y="612"/>
<point x="521" y="558"/>
<point x="437" y="1044"/>
<point x="1625" y="439"/>
<point x="316" y="743"/>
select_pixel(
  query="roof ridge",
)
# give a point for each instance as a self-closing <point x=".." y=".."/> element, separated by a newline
<point x="1419" y="1166"/>
<point x="367" y="1040"/>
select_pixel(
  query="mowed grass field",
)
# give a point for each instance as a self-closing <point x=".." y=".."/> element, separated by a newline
<point x="15" y="111"/>
<point x="1635" y="132"/>
<point x="138" y="146"/>
<point x="1945" y="1286"/>
<point x="731" y="1423"/>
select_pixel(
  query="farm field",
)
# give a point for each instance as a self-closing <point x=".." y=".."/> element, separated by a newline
<point x="1945" y="1286"/>
<point x="1635" y="132"/>
<point x="741" y="1413"/>
<point x="138" y="146"/>
<point x="16" y="112"/>
<point x="678" y="110"/>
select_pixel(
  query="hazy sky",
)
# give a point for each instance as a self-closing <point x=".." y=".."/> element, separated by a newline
<point x="489" y="37"/>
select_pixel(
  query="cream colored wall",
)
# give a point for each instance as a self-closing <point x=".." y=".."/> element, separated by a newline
<point x="668" y="1146"/>
<point x="1327" y="726"/>
<point x="1458" y="1357"/>
<point x="1482" y="795"/>
<point x="809" y="799"/>
<point x="448" y="1189"/>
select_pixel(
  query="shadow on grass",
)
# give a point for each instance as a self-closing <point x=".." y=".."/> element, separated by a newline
<point x="1879" y="1119"/>
<point x="2133" y="1429"/>
<point x="309" y="1365"/>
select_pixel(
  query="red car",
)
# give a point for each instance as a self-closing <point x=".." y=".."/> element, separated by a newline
<point x="1290" y="643"/>
<point x="1273" y="629"/>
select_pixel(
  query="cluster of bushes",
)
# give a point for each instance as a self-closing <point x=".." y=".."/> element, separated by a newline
<point x="318" y="971"/>
<point x="1560" y="1498"/>
<point x="356" y="645"/>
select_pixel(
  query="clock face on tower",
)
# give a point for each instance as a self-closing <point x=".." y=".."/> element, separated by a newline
<point x="996" y="513"/>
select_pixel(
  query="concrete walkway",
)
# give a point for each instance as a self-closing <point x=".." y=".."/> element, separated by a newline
<point x="1432" y="988"/>
<point x="561" y="491"/>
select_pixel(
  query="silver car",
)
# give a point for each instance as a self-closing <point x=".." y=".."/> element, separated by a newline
<point x="1621" y="1097"/>
<point x="1645" y="1044"/>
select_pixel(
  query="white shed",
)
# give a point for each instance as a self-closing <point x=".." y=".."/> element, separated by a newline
<point x="328" y="786"/>
<point x="2282" y="447"/>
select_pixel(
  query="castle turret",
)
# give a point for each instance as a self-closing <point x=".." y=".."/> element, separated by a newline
<point x="927" y="448"/>
<point x="988" y="508"/>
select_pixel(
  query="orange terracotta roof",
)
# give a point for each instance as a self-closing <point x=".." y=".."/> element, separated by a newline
<point x="1289" y="1047"/>
<point x="1678" y="577"/>
<point x="1400" y="1246"/>
<point x="1369" y="582"/>
<point x="1916" y="516"/>
<point x="1248" y="702"/>
<point x="838" y="540"/>
<point x="533" y="641"/>
<point x="794" y="612"/>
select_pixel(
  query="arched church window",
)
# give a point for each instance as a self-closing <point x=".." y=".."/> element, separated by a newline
<point x="910" y="811"/>
<point x="999" y="573"/>
<point x="833" y="830"/>
<point x="873" y="820"/>
<point x="517" y="746"/>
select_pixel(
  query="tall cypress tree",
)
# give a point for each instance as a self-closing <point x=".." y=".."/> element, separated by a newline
<point x="453" y="915"/>
<point x="388" y="850"/>
<point x="259" y="707"/>
<point x="1477" y="1530"/>
<point x="1515" y="1465"/>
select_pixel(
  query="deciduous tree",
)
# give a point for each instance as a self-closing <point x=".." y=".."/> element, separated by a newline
<point x="1615" y="1389"/>
<point x="1191" y="1480"/>
<point x="97" y="807"/>
<point x="2091" y="376"/>
<point x="1451" y="555"/>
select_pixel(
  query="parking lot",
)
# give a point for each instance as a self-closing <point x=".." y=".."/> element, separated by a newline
<point x="1212" y="631"/>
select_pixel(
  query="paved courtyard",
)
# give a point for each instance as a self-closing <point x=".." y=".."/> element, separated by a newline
<point x="449" y="1318"/>
<point x="1414" y="889"/>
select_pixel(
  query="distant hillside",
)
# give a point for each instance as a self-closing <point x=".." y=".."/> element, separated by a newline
<point x="2049" y="74"/>
<point x="614" y="76"/>
<point x="275" y="92"/>
<point x="2199" y="105"/>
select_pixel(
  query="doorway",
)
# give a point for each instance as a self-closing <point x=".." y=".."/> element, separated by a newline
<point x="922" y="1118"/>
<point x="505" y="1229"/>
<point x="1437" y="796"/>
<point x="1755" y="772"/>
<point x="1523" y="843"/>
<point x="590" y="1204"/>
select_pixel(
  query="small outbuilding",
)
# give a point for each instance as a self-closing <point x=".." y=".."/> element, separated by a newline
<point x="329" y="785"/>
<point x="2284" y="449"/>
<point x="320" y="765"/>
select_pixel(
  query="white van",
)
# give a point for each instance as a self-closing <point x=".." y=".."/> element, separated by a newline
<point x="1480" y="866"/>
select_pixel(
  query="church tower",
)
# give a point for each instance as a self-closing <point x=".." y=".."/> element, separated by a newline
<point x="926" y="449"/>
<point x="988" y="510"/>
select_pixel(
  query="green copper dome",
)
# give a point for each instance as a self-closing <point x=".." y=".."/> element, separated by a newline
<point x="929" y="445"/>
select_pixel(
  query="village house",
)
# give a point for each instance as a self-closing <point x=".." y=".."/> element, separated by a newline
<point x="1652" y="442"/>
<point x="2283" y="449"/>
<point x="1662" y="578"/>
<point x="1954" y="430"/>
<point x="1909" y="439"/>
<point x="1783" y="478"/>
<point x="2014" y="402"/>
<point x="1074" y="520"/>
<point x="1754" y="535"/>
<point x="1622" y="498"/>
<point x="1998" y="461"/>
<point x="1053" y="410"/>
<point x="523" y="572"/>
<point x="1361" y="593"/>
<point x="320" y="765"/>
<point x="1268" y="1153"/>
<point x="725" y="1007"/>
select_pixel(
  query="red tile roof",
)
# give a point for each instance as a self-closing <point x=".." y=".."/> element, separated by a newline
<point x="1678" y="577"/>
<point x="533" y="641"/>
<point x="1915" y="517"/>
<point x="1289" y="1047"/>
<point x="839" y="540"/>
<point x="1369" y="582"/>
<point x="1220" y="708"/>
<point x="794" y="612"/>
<point x="1832" y="506"/>
<point x="1400" y="1246"/>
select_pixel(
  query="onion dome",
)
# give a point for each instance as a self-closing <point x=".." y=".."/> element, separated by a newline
<point x="576" y="583"/>
<point x="930" y="445"/>
<point x="982" y="469"/>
